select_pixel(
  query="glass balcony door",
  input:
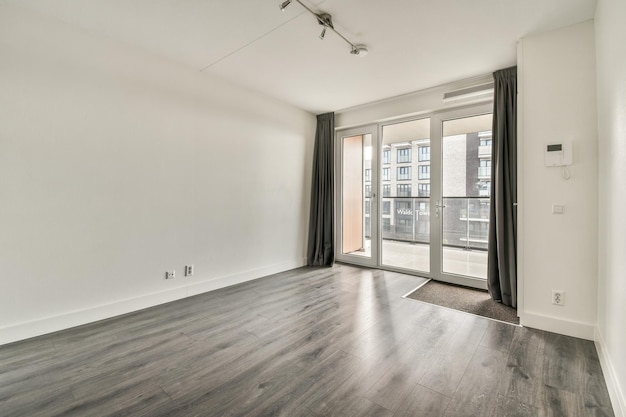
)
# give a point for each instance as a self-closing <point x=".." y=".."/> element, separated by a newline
<point x="462" y="196"/>
<point x="405" y="197"/>
<point x="417" y="199"/>
<point x="435" y="185"/>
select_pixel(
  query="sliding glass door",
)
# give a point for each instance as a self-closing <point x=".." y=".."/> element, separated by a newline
<point x="417" y="199"/>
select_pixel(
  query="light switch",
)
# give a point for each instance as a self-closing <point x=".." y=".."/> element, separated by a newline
<point x="557" y="209"/>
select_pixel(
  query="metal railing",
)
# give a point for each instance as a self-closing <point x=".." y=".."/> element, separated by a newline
<point x="465" y="220"/>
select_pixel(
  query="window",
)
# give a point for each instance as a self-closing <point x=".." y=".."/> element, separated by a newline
<point x="403" y="208"/>
<point x="485" y="142"/>
<point x="386" y="156"/>
<point x="484" y="170"/>
<point x="386" y="207"/>
<point x="484" y="188"/>
<point x="404" y="190"/>
<point x="368" y="191"/>
<point x="423" y="190"/>
<point x="424" y="173"/>
<point x="386" y="174"/>
<point x="404" y="217"/>
<point x="368" y="206"/>
<point x="386" y="224"/>
<point x="368" y="175"/>
<point x="404" y="155"/>
<point x="386" y="190"/>
<point x="423" y="153"/>
<point x="404" y="225"/>
<point x="404" y="173"/>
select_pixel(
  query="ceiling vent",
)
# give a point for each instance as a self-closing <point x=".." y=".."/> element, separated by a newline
<point x="469" y="92"/>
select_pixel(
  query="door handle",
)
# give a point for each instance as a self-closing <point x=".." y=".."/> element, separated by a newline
<point x="437" y="207"/>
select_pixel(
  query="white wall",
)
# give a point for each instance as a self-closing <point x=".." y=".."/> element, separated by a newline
<point x="557" y="100"/>
<point x="611" y="71"/>
<point x="116" y="166"/>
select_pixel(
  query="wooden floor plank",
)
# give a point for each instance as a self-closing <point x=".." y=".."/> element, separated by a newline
<point x="332" y="342"/>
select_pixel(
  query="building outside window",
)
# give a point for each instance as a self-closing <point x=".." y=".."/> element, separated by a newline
<point x="423" y="190"/>
<point x="386" y="174"/>
<point x="386" y="156"/>
<point x="404" y="155"/>
<point x="484" y="188"/>
<point x="404" y="218"/>
<point x="423" y="153"/>
<point x="404" y="190"/>
<point x="386" y="190"/>
<point x="404" y="173"/>
<point x="424" y="172"/>
<point x="484" y="169"/>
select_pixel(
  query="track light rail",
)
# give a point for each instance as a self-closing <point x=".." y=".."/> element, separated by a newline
<point x="325" y="20"/>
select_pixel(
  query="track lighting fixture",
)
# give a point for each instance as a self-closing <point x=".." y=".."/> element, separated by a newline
<point x="284" y="5"/>
<point x="326" y="20"/>
<point x="360" y="50"/>
<point x="323" y="33"/>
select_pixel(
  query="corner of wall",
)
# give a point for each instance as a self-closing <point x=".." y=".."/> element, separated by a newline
<point x="618" y="399"/>
<point x="557" y="325"/>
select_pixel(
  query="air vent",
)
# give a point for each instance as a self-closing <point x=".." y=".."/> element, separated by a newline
<point x="463" y="93"/>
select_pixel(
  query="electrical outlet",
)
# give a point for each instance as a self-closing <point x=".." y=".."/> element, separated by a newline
<point x="558" y="297"/>
<point x="170" y="274"/>
<point x="188" y="270"/>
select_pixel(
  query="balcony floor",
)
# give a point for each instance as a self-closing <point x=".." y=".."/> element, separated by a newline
<point x="416" y="257"/>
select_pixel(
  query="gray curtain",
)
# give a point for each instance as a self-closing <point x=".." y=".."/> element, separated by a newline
<point x="502" y="251"/>
<point x="320" y="250"/>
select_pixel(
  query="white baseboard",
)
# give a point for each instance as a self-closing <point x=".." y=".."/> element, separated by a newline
<point x="557" y="325"/>
<point x="64" y="321"/>
<point x="618" y="397"/>
<point x="221" y="282"/>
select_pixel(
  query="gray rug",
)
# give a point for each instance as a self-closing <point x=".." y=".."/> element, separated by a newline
<point x="464" y="299"/>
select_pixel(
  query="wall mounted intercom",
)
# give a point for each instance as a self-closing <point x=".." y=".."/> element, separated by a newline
<point x="558" y="154"/>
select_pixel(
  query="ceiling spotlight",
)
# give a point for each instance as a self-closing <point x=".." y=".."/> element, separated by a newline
<point x="360" y="50"/>
<point x="325" y="20"/>
<point x="284" y="5"/>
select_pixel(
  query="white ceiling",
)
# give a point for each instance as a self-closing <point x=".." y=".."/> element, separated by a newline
<point x="413" y="44"/>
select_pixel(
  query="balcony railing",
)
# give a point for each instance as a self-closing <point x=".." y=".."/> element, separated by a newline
<point x="484" y="151"/>
<point x="465" y="221"/>
<point x="484" y="172"/>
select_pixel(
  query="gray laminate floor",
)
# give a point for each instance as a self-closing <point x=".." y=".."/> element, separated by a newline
<point x="309" y="342"/>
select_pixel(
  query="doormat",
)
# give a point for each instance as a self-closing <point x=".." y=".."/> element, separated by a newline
<point x="465" y="299"/>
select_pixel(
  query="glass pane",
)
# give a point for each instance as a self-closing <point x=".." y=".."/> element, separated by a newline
<point x="405" y="214"/>
<point x="466" y="168"/>
<point x="357" y="192"/>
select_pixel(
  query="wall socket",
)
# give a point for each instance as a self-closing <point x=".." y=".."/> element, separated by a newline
<point x="188" y="270"/>
<point x="170" y="274"/>
<point x="558" y="297"/>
